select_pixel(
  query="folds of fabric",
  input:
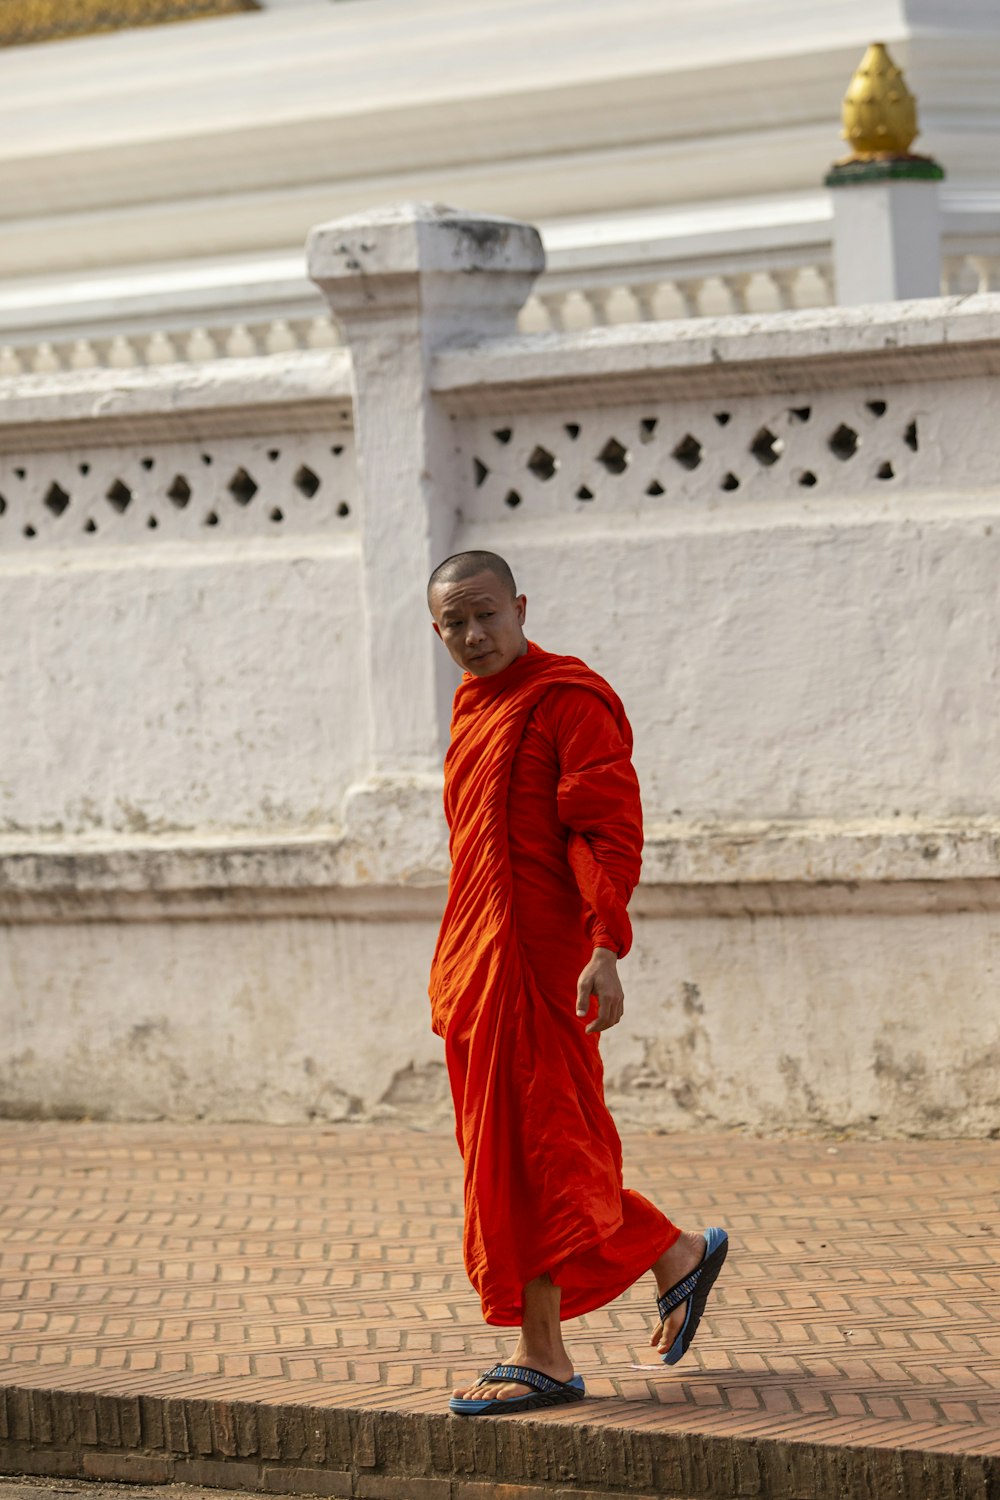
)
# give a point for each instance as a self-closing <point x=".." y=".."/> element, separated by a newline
<point x="543" y="1179"/>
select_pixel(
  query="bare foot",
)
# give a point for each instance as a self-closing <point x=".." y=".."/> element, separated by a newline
<point x="540" y="1346"/>
<point x="550" y="1361"/>
<point x="679" y="1261"/>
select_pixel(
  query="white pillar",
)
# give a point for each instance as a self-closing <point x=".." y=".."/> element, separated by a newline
<point x="886" y="235"/>
<point x="401" y="282"/>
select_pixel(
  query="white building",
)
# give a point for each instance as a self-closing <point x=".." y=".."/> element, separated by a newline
<point x="157" y="184"/>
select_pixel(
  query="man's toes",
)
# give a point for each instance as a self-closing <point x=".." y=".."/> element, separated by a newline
<point x="464" y="1392"/>
<point x="668" y="1330"/>
<point x="504" y="1392"/>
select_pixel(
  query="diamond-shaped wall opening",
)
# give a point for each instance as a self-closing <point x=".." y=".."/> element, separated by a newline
<point x="800" y="413"/>
<point x="179" y="491"/>
<point x="480" y="471"/>
<point x="767" y="447"/>
<point x="513" y="499"/>
<point x="306" y="482"/>
<point x="843" y="443"/>
<point x="688" y="452"/>
<point x="807" y="479"/>
<point x="656" y="488"/>
<point x="542" y="463"/>
<point x="647" y="428"/>
<point x="877" y="408"/>
<point x="885" y="471"/>
<point x="56" y="500"/>
<point x="242" y="487"/>
<point x="910" y="437"/>
<point x="503" y="435"/>
<point x="730" y="482"/>
<point x="613" y="456"/>
<point x="584" y="494"/>
<point x="119" y="497"/>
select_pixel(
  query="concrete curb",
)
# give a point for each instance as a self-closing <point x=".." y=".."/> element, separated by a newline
<point x="392" y="1455"/>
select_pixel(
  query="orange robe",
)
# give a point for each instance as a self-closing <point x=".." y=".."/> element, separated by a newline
<point x="546" y="834"/>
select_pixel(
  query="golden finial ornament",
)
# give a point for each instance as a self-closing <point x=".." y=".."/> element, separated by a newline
<point x="879" y="112"/>
<point x="880" y="125"/>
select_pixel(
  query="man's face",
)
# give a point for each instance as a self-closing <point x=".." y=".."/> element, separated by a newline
<point x="480" y="623"/>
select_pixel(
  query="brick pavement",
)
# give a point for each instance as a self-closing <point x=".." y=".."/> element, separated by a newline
<point x="283" y="1308"/>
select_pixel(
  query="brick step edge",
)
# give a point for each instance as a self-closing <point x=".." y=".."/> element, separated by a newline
<point x="392" y="1455"/>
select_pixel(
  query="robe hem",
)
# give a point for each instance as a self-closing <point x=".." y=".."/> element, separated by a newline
<point x="582" y="1303"/>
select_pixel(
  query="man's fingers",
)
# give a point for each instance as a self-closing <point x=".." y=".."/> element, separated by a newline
<point x="610" y="998"/>
<point x="609" y="1013"/>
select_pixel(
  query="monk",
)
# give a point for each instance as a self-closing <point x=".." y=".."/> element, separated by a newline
<point x="546" y="834"/>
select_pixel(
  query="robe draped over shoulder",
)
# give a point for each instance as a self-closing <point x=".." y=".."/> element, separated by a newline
<point x="546" y="836"/>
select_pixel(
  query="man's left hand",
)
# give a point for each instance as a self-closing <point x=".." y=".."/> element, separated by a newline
<point x="600" y="978"/>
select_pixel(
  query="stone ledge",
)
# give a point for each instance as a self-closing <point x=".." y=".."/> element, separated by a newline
<point x="306" y="391"/>
<point x="359" y="1452"/>
<point x="748" y="354"/>
<point x="390" y="861"/>
<point x="816" y="851"/>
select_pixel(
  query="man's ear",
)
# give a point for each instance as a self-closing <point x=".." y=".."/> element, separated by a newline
<point x="521" y="605"/>
<point x="436" y="628"/>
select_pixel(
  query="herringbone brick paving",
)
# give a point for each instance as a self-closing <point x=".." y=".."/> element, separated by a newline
<point x="321" y="1267"/>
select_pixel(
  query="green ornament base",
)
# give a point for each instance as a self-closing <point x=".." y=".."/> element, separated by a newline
<point x="886" y="169"/>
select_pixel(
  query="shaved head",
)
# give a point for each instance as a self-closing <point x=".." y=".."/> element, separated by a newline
<point x="477" y="612"/>
<point x="465" y="565"/>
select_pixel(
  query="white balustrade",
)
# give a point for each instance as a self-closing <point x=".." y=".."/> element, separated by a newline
<point x="566" y="299"/>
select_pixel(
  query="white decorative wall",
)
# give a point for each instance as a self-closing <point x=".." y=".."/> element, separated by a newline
<point x="223" y="855"/>
<point x="773" y="578"/>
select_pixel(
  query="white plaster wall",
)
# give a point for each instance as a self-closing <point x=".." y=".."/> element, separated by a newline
<point x="797" y="633"/>
<point x="155" y="692"/>
<point x="850" y="1020"/>
<point x="216" y="901"/>
<point x="282" y="1020"/>
<point x="841" y="1020"/>
<point x="790" y="669"/>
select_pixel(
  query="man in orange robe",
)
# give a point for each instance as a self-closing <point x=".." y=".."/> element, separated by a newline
<point x="546" y="835"/>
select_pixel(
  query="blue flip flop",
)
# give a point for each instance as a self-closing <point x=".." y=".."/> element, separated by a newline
<point x="545" y="1392"/>
<point x="693" y="1290"/>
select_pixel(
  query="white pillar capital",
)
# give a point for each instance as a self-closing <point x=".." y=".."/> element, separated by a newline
<point x="463" y="274"/>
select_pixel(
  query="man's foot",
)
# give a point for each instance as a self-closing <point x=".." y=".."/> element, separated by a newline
<point x="549" y="1362"/>
<point x="683" y="1257"/>
<point x="543" y="1392"/>
<point x="540" y="1346"/>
